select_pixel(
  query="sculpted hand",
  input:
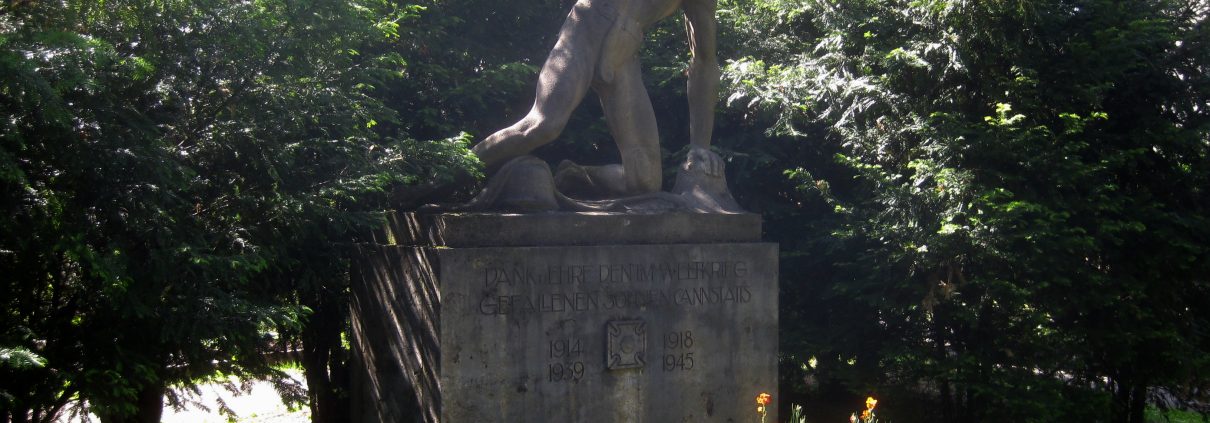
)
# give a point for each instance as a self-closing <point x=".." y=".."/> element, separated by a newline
<point x="707" y="160"/>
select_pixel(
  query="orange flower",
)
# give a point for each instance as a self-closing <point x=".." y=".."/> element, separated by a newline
<point x="865" y="415"/>
<point x="764" y="399"/>
<point x="870" y="402"/>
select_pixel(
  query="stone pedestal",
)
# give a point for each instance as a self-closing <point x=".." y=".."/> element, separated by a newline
<point x="565" y="317"/>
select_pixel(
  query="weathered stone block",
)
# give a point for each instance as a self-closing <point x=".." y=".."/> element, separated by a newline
<point x="504" y="230"/>
<point x="584" y="333"/>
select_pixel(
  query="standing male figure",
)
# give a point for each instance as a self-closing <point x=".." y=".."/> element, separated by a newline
<point x="597" y="48"/>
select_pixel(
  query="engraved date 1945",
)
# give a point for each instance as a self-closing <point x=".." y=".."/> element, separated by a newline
<point x="678" y="351"/>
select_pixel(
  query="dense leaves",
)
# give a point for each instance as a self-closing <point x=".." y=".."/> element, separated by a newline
<point x="995" y="207"/>
<point x="1021" y="218"/>
<point x="183" y="180"/>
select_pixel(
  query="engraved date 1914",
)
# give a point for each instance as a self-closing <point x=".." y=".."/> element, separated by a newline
<point x="566" y="360"/>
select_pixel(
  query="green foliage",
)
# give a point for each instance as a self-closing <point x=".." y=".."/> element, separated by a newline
<point x="998" y="206"/>
<point x="20" y="358"/>
<point x="1155" y="415"/>
<point x="470" y="64"/>
<point x="182" y="180"/>
<point x="1019" y="214"/>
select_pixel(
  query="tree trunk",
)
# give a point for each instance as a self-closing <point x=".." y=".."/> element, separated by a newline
<point x="1127" y="395"/>
<point x="947" y="402"/>
<point x="948" y="412"/>
<point x="151" y="404"/>
<point x="149" y="407"/>
<point x="1138" y="403"/>
<point x="325" y="364"/>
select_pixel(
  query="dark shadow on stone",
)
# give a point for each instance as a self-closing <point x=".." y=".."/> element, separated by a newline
<point x="526" y="185"/>
<point x="398" y="377"/>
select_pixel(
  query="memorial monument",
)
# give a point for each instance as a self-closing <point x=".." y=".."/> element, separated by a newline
<point x="585" y="294"/>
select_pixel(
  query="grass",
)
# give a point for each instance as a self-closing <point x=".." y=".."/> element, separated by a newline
<point x="1154" y="415"/>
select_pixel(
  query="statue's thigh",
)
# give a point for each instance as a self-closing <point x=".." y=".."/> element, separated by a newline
<point x="570" y="68"/>
<point x="632" y="124"/>
<point x="628" y="110"/>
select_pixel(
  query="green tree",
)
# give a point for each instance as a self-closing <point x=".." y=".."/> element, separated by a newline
<point x="183" y="180"/>
<point x="1019" y="218"/>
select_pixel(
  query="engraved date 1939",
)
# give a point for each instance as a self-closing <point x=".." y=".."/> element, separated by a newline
<point x="566" y="372"/>
<point x="566" y="360"/>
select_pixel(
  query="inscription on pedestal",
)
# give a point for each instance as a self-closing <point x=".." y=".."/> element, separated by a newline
<point x="657" y="331"/>
<point x="583" y="333"/>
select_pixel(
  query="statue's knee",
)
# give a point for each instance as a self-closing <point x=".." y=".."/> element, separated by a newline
<point x="644" y="176"/>
<point x="648" y="184"/>
<point x="543" y="131"/>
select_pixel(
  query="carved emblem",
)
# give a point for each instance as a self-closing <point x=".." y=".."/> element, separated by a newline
<point x="627" y="341"/>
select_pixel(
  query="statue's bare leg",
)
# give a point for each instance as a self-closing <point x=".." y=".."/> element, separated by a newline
<point x="632" y="124"/>
<point x="562" y="84"/>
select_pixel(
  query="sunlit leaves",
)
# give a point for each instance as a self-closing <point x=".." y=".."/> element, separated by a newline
<point x="184" y="177"/>
<point x="1007" y="157"/>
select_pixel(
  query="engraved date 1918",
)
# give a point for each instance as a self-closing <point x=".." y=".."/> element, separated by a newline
<point x="678" y="354"/>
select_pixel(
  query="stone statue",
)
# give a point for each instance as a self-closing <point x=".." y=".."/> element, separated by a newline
<point x="597" y="48"/>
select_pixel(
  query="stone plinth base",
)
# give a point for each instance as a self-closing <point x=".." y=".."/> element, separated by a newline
<point x="528" y="321"/>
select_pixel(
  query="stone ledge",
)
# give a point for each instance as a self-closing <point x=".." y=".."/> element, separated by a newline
<point x="462" y="230"/>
